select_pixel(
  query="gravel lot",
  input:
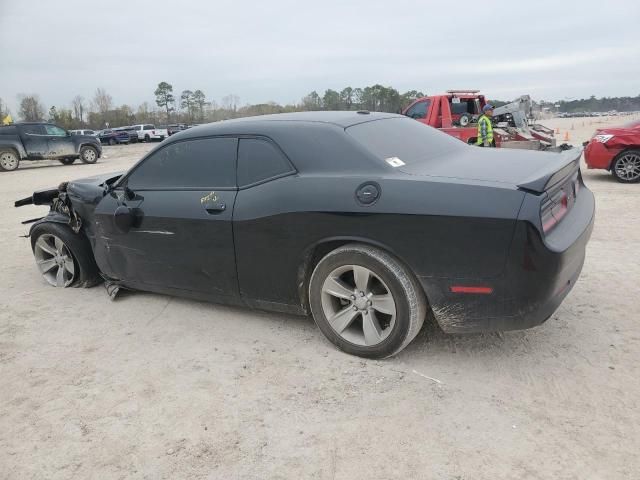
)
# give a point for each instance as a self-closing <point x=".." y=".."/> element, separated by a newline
<point x="156" y="387"/>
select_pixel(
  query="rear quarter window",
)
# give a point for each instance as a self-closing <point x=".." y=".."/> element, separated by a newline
<point x="260" y="160"/>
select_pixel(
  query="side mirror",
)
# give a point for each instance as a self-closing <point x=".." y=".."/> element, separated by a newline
<point x="123" y="218"/>
<point x="129" y="194"/>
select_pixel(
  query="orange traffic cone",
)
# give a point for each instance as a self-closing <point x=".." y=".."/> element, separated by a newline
<point x="566" y="136"/>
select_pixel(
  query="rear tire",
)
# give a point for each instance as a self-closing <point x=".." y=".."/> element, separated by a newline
<point x="9" y="160"/>
<point x="147" y="138"/>
<point x="626" y="166"/>
<point x="66" y="161"/>
<point x="112" y="141"/>
<point x="378" y="328"/>
<point x="52" y="244"/>
<point x="88" y="154"/>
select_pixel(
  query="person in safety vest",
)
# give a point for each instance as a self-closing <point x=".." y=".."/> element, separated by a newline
<point x="485" y="128"/>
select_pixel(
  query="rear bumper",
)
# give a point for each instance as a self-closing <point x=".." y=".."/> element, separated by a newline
<point x="539" y="274"/>
<point x="597" y="155"/>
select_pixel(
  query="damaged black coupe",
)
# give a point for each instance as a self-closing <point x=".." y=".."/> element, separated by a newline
<point x="366" y="221"/>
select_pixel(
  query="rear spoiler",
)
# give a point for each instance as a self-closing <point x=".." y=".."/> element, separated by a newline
<point x="568" y="162"/>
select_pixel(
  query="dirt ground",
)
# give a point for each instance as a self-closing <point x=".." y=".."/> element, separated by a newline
<point x="153" y="387"/>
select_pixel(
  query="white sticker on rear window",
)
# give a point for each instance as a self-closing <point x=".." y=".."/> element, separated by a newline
<point x="394" y="161"/>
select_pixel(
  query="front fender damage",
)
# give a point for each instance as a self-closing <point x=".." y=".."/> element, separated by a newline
<point x="60" y="207"/>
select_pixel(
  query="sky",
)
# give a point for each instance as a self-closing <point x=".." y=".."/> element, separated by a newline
<point x="280" y="50"/>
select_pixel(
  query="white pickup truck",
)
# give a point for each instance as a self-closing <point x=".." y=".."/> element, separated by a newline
<point x="147" y="132"/>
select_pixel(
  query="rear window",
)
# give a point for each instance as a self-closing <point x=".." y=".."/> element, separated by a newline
<point x="402" y="141"/>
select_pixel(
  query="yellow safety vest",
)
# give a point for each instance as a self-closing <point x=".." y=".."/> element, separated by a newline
<point x="485" y="130"/>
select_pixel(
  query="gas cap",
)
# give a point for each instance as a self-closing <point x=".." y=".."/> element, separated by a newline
<point x="368" y="193"/>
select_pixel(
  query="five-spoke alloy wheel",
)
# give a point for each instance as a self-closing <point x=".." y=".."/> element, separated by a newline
<point x="63" y="257"/>
<point x="54" y="260"/>
<point x="366" y="301"/>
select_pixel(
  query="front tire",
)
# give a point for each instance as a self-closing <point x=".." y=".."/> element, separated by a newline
<point x="626" y="166"/>
<point x="366" y="302"/>
<point x="9" y="160"/>
<point x="63" y="257"/>
<point x="88" y="154"/>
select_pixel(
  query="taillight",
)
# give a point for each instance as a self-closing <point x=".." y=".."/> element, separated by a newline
<point x="553" y="209"/>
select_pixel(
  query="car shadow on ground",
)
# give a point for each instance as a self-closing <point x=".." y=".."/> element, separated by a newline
<point x="431" y="342"/>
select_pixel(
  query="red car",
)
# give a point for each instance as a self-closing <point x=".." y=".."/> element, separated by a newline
<point x="616" y="149"/>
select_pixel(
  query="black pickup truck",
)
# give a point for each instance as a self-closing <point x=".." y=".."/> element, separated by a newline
<point x="44" y="141"/>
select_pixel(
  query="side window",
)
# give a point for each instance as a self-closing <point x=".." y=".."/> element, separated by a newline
<point x="55" y="131"/>
<point x="419" y="110"/>
<point x="199" y="163"/>
<point x="148" y="127"/>
<point x="259" y="160"/>
<point x="33" y="129"/>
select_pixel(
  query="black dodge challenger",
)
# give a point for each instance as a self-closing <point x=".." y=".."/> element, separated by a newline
<point x="365" y="220"/>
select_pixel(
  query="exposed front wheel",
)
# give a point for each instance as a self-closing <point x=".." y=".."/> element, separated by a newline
<point x="63" y="257"/>
<point x="366" y="302"/>
<point x="9" y="160"/>
<point x="88" y="154"/>
<point x="626" y="167"/>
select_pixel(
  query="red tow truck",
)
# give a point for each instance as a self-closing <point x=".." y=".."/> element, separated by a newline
<point x="456" y="113"/>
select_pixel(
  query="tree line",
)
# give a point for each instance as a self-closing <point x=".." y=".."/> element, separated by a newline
<point x="193" y="106"/>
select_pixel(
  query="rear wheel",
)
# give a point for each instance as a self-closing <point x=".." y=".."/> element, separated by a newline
<point x="64" y="258"/>
<point x="9" y="160"/>
<point x="147" y="138"/>
<point x="366" y="302"/>
<point x="66" y="161"/>
<point x="88" y="154"/>
<point x="112" y="141"/>
<point x="626" y="167"/>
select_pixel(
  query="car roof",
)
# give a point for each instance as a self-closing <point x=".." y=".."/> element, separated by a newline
<point x="278" y="121"/>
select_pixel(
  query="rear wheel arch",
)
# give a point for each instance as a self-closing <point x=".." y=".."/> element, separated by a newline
<point x="401" y="296"/>
<point x="316" y="252"/>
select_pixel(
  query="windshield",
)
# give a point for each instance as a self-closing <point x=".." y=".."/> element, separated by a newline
<point x="403" y="141"/>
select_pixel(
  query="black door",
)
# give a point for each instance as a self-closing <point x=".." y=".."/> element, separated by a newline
<point x="59" y="143"/>
<point x="182" y="197"/>
<point x="34" y="139"/>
